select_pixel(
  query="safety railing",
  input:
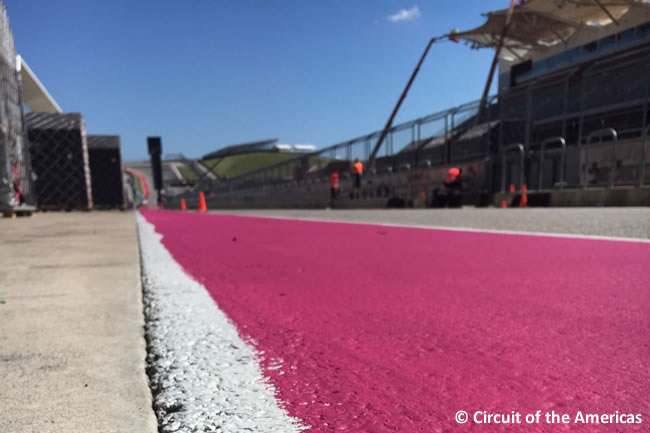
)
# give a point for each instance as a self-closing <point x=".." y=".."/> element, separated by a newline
<point x="407" y="144"/>
<point x="542" y="153"/>
<point x="522" y="164"/>
<point x="644" y="156"/>
<point x="600" y="134"/>
<point x="560" y="112"/>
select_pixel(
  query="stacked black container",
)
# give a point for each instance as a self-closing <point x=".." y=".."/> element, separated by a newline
<point x="105" y="156"/>
<point x="59" y="154"/>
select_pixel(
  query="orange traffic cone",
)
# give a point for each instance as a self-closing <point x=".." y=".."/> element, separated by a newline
<point x="202" y="206"/>
<point x="511" y="188"/>
<point x="504" y="204"/>
<point x="183" y="206"/>
<point x="524" y="196"/>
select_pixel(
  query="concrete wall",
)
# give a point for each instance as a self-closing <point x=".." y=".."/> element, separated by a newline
<point x="414" y="185"/>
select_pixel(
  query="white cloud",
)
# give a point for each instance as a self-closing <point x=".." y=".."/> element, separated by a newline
<point x="405" y="15"/>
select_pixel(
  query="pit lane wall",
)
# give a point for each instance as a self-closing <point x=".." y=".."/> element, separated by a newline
<point x="410" y="187"/>
<point x="413" y="187"/>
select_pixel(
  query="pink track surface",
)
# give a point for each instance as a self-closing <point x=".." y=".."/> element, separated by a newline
<point x="383" y="329"/>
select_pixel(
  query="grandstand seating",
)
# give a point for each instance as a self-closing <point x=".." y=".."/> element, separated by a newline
<point x="573" y="100"/>
<point x="236" y="149"/>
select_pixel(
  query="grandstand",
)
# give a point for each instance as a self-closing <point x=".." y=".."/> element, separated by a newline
<point x="243" y="148"/>
<point x="576" y="75"/>
<point x="239" y="159"/>
<point x="570" y="121"/>
<point x="181" y="173"/>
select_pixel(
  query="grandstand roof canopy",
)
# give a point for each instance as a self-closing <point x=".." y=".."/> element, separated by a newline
<point x="35" y="96"/>
<point x="538" y="24"/>
<point x="234" y="149"/>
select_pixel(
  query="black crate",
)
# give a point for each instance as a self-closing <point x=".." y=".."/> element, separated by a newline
<point x="59" y="154"/>
<point x="105" y="157"/>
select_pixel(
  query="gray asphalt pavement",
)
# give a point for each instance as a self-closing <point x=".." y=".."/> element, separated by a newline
<point x="616" y="222"/>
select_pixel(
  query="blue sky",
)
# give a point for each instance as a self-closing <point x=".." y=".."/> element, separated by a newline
<point x="207" y="73"/>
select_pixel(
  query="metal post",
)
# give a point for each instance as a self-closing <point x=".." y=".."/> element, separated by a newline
<point x="446" y="136"/>
<point x="446" y="126"/>
<point x="519" y="147"/>
<point x="495" y="60"/>
<point x="449" y="135"/>
<point x="389" y="123"/>
<point x="415" y="159"/>
<point x="644" y="152"/>
<point x="644" y="156"/>
<point x="529" y="115"/>
<point x="389" y="149"/>
<point x="500" y="138"/>
<point x="601" y="133"/>
<point x="565" y="109"/>
<point x="581" y="121"/>
<point x="604" y="8"/>
<point x="542" y="149"/>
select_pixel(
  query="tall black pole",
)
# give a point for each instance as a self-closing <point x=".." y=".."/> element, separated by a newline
<point x="495" y="61"/>
<point x="399" y="102"/>
<point x="154" y="145"/>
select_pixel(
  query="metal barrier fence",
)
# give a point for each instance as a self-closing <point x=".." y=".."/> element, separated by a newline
<point x="556" y="123"/>
<point x="607" y="170"/>
<point x="418" y="143"/>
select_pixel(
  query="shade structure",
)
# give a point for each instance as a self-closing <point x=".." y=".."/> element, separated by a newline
<point x="35" y="95"/>
<point x="539" y="24"/>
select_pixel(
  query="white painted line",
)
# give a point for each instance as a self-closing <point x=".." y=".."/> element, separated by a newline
<point x="453" y="229"/>
<point x="205" y="376"/>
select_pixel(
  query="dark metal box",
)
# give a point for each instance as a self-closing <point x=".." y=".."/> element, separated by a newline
<point x="105" y="155"/>
<point x="59" y="154"/>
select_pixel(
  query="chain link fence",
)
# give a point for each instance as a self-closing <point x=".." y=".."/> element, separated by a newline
<point x="16" y="189"/>
<point x="59" y="153"/>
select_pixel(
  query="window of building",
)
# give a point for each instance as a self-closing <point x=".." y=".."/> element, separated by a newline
<point x="626" y="37"/>
<point x="576" y="54"/>
<point x="567" y="57"/>
<point x="551" y="62"/>
<point x="520" y="72"/>
<point x="540" y="66"/>
<point x="607" y="43"/>
<point x="643" y="31"/>
<point x="590" y="48"/>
